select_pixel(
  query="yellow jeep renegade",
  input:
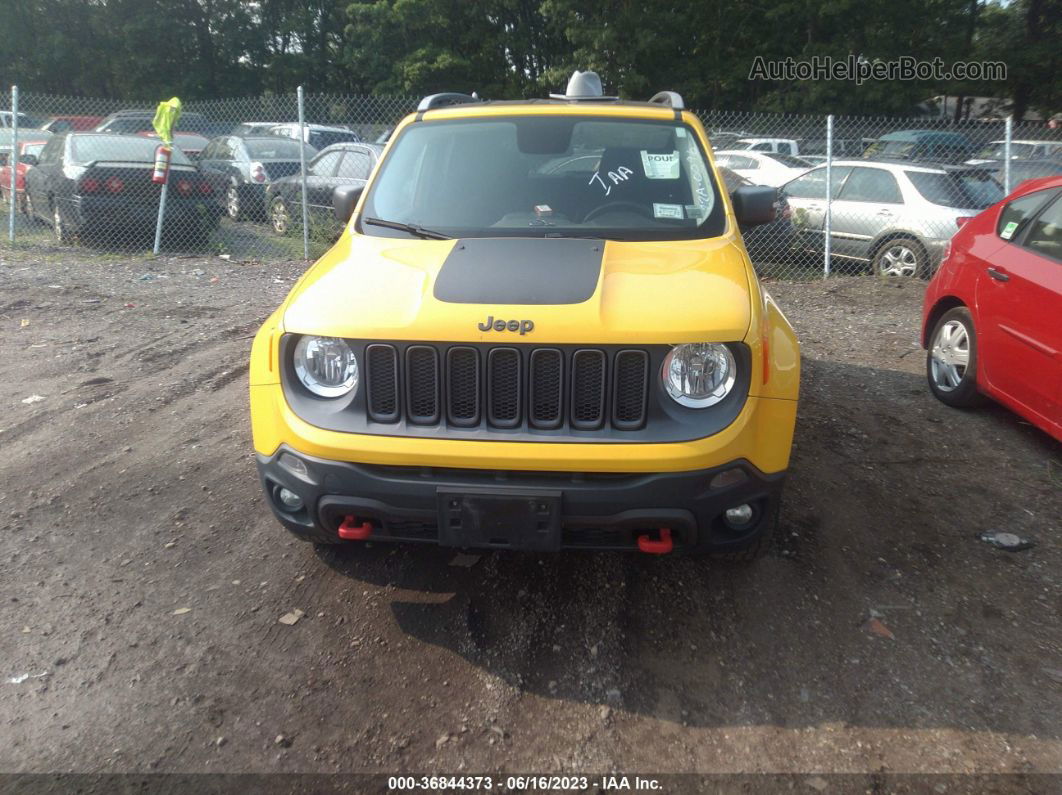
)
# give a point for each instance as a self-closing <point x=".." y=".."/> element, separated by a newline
<point x="539" y="330"/>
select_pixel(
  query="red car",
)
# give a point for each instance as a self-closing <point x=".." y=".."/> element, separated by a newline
<point x="31" y="148"/>
<point x="992" y="319"/>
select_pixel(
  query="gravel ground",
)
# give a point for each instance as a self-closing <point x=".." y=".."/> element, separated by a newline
<point x="142" y="577"/>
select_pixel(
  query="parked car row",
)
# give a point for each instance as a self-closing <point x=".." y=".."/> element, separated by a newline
<point x="100" y="184"/>
<point x="895" y="200"/>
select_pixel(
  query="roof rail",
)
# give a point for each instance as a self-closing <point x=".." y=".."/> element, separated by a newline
<point x="671" y="99"/>
<point x="445" y="100"/>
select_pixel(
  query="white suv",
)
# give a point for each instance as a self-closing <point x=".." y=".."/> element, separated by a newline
<point x="784" y="146"/>
<point x="897" y="216"/>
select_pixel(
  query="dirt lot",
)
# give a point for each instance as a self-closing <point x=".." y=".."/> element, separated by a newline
<point x="142" y="577"/>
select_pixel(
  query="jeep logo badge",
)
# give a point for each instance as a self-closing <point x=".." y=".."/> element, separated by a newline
<point x="523" y="326"/>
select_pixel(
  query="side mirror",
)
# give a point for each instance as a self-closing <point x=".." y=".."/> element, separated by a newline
<point x="754" y="204"/>
<point x="29" y="160"/>
<point x="344" y="200"/>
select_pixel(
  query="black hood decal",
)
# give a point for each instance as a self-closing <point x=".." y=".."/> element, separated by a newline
<point x="520" y="271"/>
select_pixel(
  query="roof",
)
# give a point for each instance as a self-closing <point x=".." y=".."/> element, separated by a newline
<point x="908" y="165"/>
<point x="583" y="88"/>
<point x="344" y="145"/>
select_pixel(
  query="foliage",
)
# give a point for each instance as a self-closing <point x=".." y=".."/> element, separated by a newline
<point x="202" y="49"/>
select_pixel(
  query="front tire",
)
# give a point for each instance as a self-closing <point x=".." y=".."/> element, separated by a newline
<point x="901" y="256"/>
<point x="279" y="216"/>
<point x="59" y="227"/>
<point x="233" y="205"/>
<point x="951" y="366"/>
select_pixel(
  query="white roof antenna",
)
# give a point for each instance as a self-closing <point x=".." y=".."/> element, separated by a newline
<point x="583" y="86"/>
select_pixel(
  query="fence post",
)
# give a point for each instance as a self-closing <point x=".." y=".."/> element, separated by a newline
<point x="829" y="198"/>
<point x="13" y="165"/>
<point x="1006" y="154"/>
<point x="302" y="177"/>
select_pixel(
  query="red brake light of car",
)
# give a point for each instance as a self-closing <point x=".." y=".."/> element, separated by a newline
<point x="184" y="187"/>
<point x="115" y="185"/>
<point x="206" y="188"/>
<point x="962" y="219"/>
<point x="90" y="185"/>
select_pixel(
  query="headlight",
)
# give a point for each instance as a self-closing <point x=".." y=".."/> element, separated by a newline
<point x="326" y="366"/>
<point x="699" y="374"/>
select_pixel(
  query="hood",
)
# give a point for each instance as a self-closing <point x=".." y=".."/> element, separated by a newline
<point x="569" y="291"/>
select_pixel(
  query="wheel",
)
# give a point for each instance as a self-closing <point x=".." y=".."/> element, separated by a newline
<point x="901" y="256"/>
<point x="232" y="202"/>
<point x="279" y="216"/>
<point x="59" y="227"/>
<point x="951" y="365"/>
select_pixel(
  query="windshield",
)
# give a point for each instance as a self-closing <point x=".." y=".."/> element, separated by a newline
<point x="961" y="189"/>
<point x="119" y="148"/>
<point x="319" y="139"/>
<point x="275" y="148"/>
<point x="997" y="150"/>
<point x="787" y="160"/>
<point x="557" y="176"/>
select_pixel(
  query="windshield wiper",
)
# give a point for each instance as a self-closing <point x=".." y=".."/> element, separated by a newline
<point x="413" y="229"/>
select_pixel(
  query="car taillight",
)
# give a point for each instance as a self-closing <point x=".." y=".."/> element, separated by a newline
<point x="184" y="187"/>
<point x="206" y="188"/>
<point x="962" y="219"/>
<point x="115" y="185"/>
<point x="258" y="172"/>
<point x="90" y="185"/>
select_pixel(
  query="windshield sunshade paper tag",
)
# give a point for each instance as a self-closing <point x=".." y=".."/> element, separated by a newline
<point x="668" y="211"/>
<point x="1008" y="231"/>
<point x="660" y="165"/>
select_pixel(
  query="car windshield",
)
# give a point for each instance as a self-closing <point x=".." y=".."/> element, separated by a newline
<point x="319" y="139"/>
<point x="974" y="189"/>
<point x="556" y="176"/>
<point x="998" y="150"/>
<point x="275" y="148"/>
<point x="787" y="160"/>
<point x="119" y="148"/>
<point x="28" y="121"/>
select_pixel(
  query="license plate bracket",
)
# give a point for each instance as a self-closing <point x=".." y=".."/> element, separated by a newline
<point x="505" y="518"/>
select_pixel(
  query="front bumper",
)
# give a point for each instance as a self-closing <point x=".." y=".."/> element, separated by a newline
<point x="593" y="510"/>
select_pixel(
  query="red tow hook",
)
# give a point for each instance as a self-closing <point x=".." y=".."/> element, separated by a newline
<point x="350" y="530"/>
<point x="657" y="547"/>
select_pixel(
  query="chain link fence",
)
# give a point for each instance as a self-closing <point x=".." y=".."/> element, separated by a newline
<point x="856" y="194"/>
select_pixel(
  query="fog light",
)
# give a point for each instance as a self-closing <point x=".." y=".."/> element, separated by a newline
<point x="730" y="477"/>
<point x="289" y="500"/>
<point x="739" y="516"/>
